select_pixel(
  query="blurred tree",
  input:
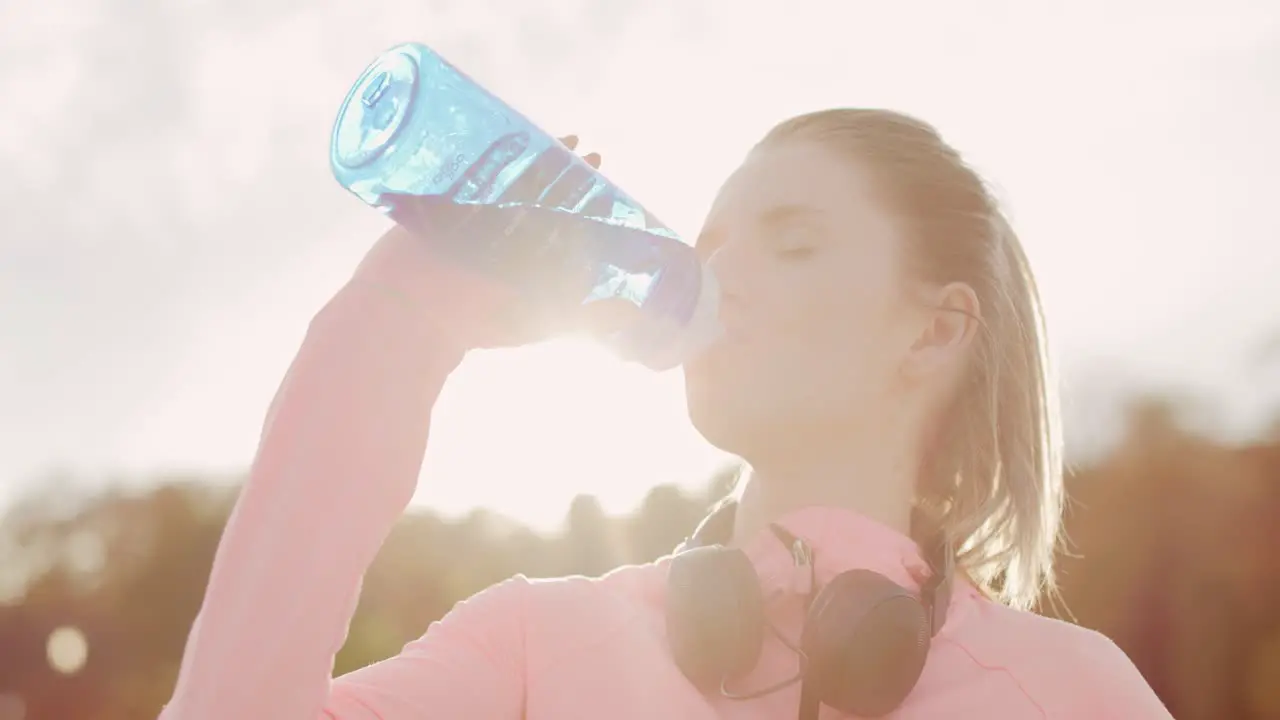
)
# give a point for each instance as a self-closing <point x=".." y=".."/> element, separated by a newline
<point x="665" y="518"/>
<point x="593" y="544"/>
<point x="1173" y="555"/>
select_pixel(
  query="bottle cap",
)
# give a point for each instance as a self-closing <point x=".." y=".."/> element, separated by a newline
<point x="375" y="111"/>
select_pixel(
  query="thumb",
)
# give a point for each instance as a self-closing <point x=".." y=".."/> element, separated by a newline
<point x="605" y="317"/>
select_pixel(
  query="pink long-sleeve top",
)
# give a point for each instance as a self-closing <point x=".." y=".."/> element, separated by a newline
<point x="338" y="461"/>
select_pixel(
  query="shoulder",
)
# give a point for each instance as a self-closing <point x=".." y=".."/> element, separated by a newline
<point x="587" y="610"/>
<point x="1066" y="669"/>
<point x="627" y="584"/>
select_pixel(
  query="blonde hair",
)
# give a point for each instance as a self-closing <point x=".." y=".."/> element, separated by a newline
<point x="993" y="484"/>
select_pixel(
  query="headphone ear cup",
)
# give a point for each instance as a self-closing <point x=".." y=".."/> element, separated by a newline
<point x="714" y="614"/>
<point x="867" y="639"/>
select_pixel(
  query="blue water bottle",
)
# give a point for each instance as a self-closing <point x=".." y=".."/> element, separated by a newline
<point x="419" y="140"/>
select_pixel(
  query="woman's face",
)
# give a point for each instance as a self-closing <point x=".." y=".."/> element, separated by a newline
<point x="814" y="306"/>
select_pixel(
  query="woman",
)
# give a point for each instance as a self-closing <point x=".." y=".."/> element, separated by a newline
<point x="882" y="375"/>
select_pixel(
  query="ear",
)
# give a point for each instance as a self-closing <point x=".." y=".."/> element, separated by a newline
<point x="951" y="318"/>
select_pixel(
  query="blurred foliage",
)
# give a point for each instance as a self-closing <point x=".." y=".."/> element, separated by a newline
<point x="1175" y="554"/>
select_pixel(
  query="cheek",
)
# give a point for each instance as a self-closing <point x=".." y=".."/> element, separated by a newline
<point x="844" y="351"/>
<point x="820" y="341"/>
<point x="826" y="335"/>
<point x="838" y="304"/>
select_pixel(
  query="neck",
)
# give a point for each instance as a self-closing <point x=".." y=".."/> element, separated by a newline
<point x="874" y="480"/>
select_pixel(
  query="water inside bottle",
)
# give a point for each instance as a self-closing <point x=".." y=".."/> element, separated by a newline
<point x="556" y="257"/>
<point x="548" y="223"/>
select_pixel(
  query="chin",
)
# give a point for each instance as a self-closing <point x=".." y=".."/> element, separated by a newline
<point x="724" y="421"/>
<point x="729" y="401"/>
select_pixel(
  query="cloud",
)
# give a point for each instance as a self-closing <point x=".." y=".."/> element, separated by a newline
<point x="166" y="209"/>
<point x="164" y="162"/>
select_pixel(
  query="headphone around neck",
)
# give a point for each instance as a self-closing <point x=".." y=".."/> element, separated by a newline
<point x="865" y="637"/>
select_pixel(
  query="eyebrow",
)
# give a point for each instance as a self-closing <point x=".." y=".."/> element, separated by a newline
<point x="777" y="216"/>
<point x="785" y="214"/>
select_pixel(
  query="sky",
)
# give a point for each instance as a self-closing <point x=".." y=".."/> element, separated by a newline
<point x="168" y="223"/>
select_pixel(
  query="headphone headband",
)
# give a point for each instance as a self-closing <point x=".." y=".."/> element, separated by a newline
<point x="935" y="592"/>
<point x="715" y="529"/>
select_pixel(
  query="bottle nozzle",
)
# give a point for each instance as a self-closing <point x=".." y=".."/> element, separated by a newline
<point x="704" y="328"/>
<point x="693" y="337"/>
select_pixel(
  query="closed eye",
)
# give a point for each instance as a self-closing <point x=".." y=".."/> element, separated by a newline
<point x="794" y="232"/>
<point x="795" y="241"/>
<point x="796" y="253"/>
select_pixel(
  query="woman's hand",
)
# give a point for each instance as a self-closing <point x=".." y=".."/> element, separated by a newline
<point x="598" y="318"/>
<point x="571" y="142"/>
<point x="511" y="324"/>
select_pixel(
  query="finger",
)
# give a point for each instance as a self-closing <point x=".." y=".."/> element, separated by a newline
<point x="569" y="141"/>
<point x="607" y="316"/>
<point x="593" y="159"/>
<point x="512" y="327"/>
